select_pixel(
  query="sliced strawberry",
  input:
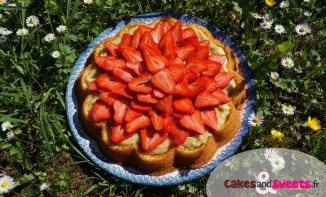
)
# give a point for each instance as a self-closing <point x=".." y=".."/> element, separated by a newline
<point x="147" y="49"/>
<point x="177" y="115"/>
<point x="155" y="63"/>
<point x="166" y="25"/>
<point x="183" y="105"/>
<point x="118" y="133"/>
<point x="178" y="134"/>
<point x="204" y="43"/>
<point x="132" y="113"/>
<point x="177" y="72"/>
<point x="147" y="38"/>
<point x="197" y="65"/>
<point x="100" y="111"/>
<point x="163" y="81"/>
<point x="126" y="39"/>
<point x="174" y="59"/>
<point x="176" y="30"/>
<point x="206" y="99"/>
<point x="223" y="79"/>
<point x="210" y="84"/>
<point x="197" y="87"/>
<point x="218" y="58"/>
<point x="110" y="97"/>
<point x="221" y="96"/>
<point x="124" y="91"/>
<point x="119" y="111"/>
<point x="167" y="120"/>
<point x="188" y="32"/>
<point x="201" y="52"/>
<point x="157" y="119"/>
<point x="144" y="28"/>
<point x="168" y="44"/>
<point x="157" y="32"/>
<point x="143" y="107"/>
<point x="158" y="93"/>
<point x="137" y="123"/>
<point x="182" y="88"/>
<point x="150" y="138"/>
<point x="208" y="115"/>
<point x="191" y="75"/>
<point x="165" y="104"/>
<point x="147" y="98"/>
<point x="112" y="48"/>
<point x="135" y="39"/>
<point x="109" y="82"/>
<point x="135" y="67"/>
<point x="94" y="87"/>
<point x="184" y="52"/>
<point x="124" y="74"/>
<point x="141" y="83"/>
<point x="107" y="63"/>
<point x="192" y="41"/>
<point x="193" y="122"/>
<point x="130" y="54"/>
<point x="213" y="68"/>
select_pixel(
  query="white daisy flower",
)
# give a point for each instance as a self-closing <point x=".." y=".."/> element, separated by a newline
<point x="7" y="32"/>
<point x="288" y="109"/>
<point x="3" y="39"/>
<point x="22" y="32"/>
<point x="10" y="135"/>
<point x="49" y="37"/>
<point x="12" y="5"/>
<point x="284" y="4"/>
<point x="274" y="76"/>
<point x="306" y="13"/>
<point x="306" y="1"/>
<point x="6" y="183"/>
<point x="267" y="18"/>
<point x="88" y="1"/>
<point x="32" y="21"/>
<point x="279" y="29"/>
<point x="2" y="29"/>
<point x="55" y="54"/>
<point x="302" y="29"/>
<point x="3" y="2"/>
<point x="287" y="62"/>
<point x="271" y="154"/>
<point x="255" y="119"/>
<point x="266" y="24"/>
<point x="61" y="28"/>
<point x="278" y="163"/>
<point x="44" y="186"/>
<point x="6" y="126"/>
<point x="256" y="15"/>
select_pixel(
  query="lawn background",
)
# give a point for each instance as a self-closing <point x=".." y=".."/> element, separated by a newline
<point x="33" y="86"/>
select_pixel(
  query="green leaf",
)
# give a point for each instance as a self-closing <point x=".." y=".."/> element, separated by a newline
<point x="286" y="46"/>
<point x="26" y="178"/>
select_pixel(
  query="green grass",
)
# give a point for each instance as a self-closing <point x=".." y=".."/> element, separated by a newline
<point x="33" y="86"/>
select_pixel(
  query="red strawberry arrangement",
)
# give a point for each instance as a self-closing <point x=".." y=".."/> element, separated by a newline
<point x="161" y="82"/>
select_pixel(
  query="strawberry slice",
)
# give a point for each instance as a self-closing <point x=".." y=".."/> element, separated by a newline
<point x="191" y="75"/>
<point x="126" y="39"/>
<point x="144" y="28"/>
<point x="143" y="107"/>
<point x="119" y="111"/>
<point x="208" y="115"/>
<point x="158" y="93"/>
<point x="110" y="97"/>
<point x="137" y="123"/>
<point x="112" y="48"/>
<point x="100" y="111"/>
<point x="141" y="84"/>
<point x="223" y="79"/>
<point x="157" y="119"/>
<point x="107" y="63"/>
<point x="157" y="32"/>
<point x="184" y="52"/>
<point x="147" y="98"/>
<point x="178" y="134"/>
<point x="124" y="74"/>
<point x="183" y="105"/>
<point x="147" y="49"/>
<point x="210" y="84"/>
<point x="168" y="44"/>
<point x="192" y="41"/>
<point x="109" y="82"/>
<point x="204" y="43"/>
<point x="167" y="120"/>
<point x="188" y="32"/>
<point x="147" y="38"/>
<point x="193" y="122"/>
<point x="130" y="54"/>
<point x="197" y="87"/>
<point x="213" y="68"/>
<point x="166" y="25"/>
<point x="163" y="81"/>
<point x="206" y="99"/>
<point x="176" y="30"/>
<point x="135" y="39"/>
<point x="165" y="104"/>
<point x="137" y="68"/>
<point x="177" y="72"/>
<point x="150" y="138"/>
<point x="218" y="58"/>
<point x="182" y="88"/>
<point x="197" y="65"/>
<point x="118" y="133"/>
<point x="174" y="59"/>
<point x="155" y="63"/>
<point x="221" y="96"/>
<point x="177" y="115"/>
<point x="132" y="113"/>
<point x="201" y="52"/>
<point x="94" y="87"/>
<point x="124" y="91"/>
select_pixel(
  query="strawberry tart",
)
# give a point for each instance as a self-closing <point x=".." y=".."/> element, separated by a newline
<point x="161" y="96"/>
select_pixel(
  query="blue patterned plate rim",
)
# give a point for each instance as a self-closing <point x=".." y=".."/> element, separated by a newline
<point x="89" y="146"/>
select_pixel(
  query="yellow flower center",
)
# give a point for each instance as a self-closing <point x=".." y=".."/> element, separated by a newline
<point x="287" y="62"/>
<point x="233" y="17"/>
<point x="302" y="29"/>
<point x="255" y="14"/>
<point x="270" y="155"/>
<point x="267" y="19"/>
<point x="32" y="21"/>
<point x="256" y="119"/>
<point x="4" y="184"/>
<point x="287" y="109"/>
<point x="8" y="126"/>
<point x="278" y="162"/>
<point x="270" y="2"/>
